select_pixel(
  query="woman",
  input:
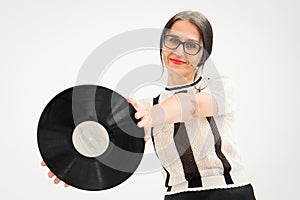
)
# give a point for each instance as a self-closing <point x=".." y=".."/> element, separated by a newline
<point x="192" y="119"/>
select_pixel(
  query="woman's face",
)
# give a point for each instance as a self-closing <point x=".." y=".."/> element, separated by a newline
<point x="177" y="60"/>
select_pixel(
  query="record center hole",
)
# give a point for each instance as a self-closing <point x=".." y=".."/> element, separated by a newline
<point x="90" y="139"/>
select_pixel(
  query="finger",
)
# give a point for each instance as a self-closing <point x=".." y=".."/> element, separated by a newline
<point x="146" y="139"/>
<point x="138" y="115"/>
<point x="43" y="164"/>
<point x="66" y="185"/>
<point x="147" y="135"/>
<point x="145" y="118"/>
<point x="144" y="122"/>
<point x="134" y="103"/>
<point x="56" y="180"/>
<point x="128" y="100"/>
<point x="50" y="174"/>
<point x="141" y="114"/>
<point x="140" y="124"/>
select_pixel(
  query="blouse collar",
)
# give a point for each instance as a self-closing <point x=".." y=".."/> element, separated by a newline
<point x="183" y="86"/>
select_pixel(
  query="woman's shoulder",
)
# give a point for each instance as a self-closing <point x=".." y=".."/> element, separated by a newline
<point x="216" y="82"/>
<point x="222" y="89"/>
<point x="219" y="77"/>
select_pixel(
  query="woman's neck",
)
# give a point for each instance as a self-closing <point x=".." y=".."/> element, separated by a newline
<point x="176" y="79"/>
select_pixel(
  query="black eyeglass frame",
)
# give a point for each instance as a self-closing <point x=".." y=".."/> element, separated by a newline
<point x="183" y="44"/>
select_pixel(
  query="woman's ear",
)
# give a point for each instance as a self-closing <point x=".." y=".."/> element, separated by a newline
<point x="204" y="57"/>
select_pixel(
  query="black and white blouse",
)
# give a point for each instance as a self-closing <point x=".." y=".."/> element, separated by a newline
<point x="200" y="154"/>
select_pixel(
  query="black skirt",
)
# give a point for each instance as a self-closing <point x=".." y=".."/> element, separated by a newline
<point x="239" y="193"/>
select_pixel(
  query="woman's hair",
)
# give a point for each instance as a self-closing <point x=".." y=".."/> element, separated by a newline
<point x="202" y="25"/>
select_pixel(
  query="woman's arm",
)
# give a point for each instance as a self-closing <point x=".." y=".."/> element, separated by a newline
<point x="177" y="108"/>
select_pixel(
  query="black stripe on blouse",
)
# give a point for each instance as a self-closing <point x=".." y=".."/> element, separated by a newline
<point x="155" y="101"/>
<point x="218" y="150"/>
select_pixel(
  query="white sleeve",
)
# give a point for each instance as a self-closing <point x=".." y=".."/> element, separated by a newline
<point x="223" y="91"/>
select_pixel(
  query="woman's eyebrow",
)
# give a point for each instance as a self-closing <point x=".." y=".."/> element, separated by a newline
<point x="190" y="40"/>
<point x="173" y="35"/>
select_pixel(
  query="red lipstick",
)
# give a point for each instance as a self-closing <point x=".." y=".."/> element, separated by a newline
<point x="177" y="61"/>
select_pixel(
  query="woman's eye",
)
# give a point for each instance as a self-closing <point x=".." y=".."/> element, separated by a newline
<point x="174" y="40"/>
<point x="191" y="45"/>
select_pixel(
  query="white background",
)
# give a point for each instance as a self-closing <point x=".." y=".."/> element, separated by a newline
<point x="43" y="44"/>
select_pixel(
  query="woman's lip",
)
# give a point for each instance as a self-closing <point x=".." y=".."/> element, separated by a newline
<point x="176" y="61"/>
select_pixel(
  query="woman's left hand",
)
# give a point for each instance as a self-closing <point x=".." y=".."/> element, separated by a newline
<point x="51" y="175"/>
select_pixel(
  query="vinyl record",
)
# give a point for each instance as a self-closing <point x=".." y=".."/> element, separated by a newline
<point x="87" y="136"/>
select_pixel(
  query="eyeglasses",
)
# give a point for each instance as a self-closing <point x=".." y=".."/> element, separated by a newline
<point x="172" y="42"/>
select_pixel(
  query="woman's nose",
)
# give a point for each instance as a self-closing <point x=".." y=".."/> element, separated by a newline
<point x="179" y="50"/>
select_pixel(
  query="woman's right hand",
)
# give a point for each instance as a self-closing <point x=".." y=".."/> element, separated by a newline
<point x="51" y="175"/>
<point x="143" y="115"/>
